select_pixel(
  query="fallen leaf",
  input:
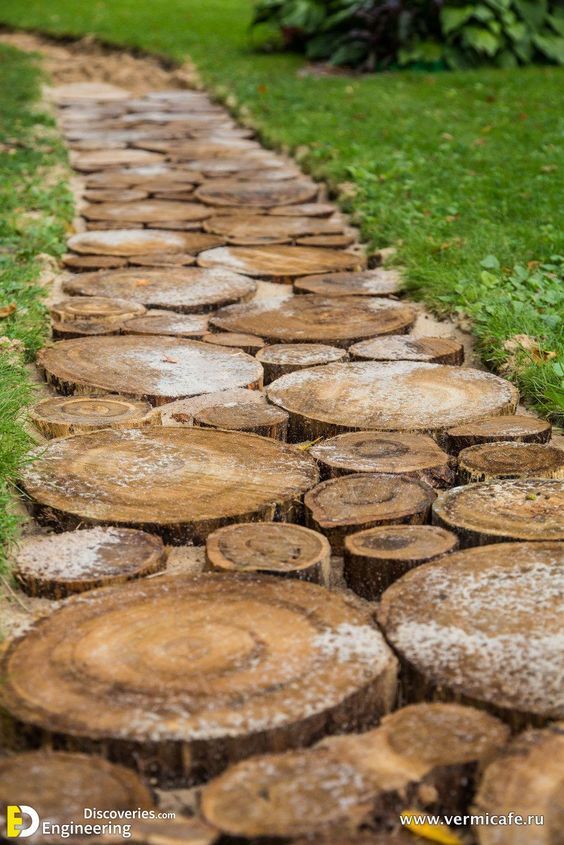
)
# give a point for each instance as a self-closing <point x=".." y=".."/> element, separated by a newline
<point x="433" y="832"/>
<point x="528" y="344"/>
<point x="6" y="310"/>
<point x="304" y="447"/>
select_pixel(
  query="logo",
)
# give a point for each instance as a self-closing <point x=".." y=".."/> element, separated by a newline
<point x="15" y="826"/>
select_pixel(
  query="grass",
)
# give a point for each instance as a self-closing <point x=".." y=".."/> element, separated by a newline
<point x="33" y="211"/>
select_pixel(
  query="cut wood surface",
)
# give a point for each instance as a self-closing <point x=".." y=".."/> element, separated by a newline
<point x="182" y="412"/>
<point x="254" y="229"/>
<point x="249" y="343"/>
<point x="266" y="420"/>
<point x="351" y="503"/>
<point x="83" y="328"/>
<point x="508" y="459"/>
<point x="168" y="323"/>
<point x="221" y="167"/>
<point x="162" y="259"/>
<point x="269" y="547"/>
<point x="74" y="93"/>
<point x="399" y="396"/>
<point x="61" y="416"/>
<point x="375" y="558"/>
<point x="56" y="565"/>
<point x="102" y="309"/>
<point x="261" y="193"/>
<point x="187" y="290"/>
<point x="147" y="178"/>
<point x="414" y="455"/>
<point x="79" y="263"/>
<point x="327" y="241"/>
<point x="298" y="319"/>
<point x="304" y="209"/>
<point x="486" y="624"/>
<point x="492" y="429"/>
<point x="376" y="282"/>
<point x="157" y="369"/>
<point x="495" y="511"/>
<point x="192" y="673"/>
<point x="146" y="211"/>
<point x="280" y="262"/>
<point x="139" y="479"/>
<point x="191" y="150"/>
<point x="110" y="159"/>
<point x="433" y="350"/>
<point x="115" y="195"/>
<point x="125" y="242"/>
<point x="281" y="358"/>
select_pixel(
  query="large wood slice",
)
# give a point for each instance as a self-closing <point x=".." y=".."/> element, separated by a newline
<point x="57" y="565"/>
<point x="495" y="511"/>
<point x="401" y="396"/>
<point x="249" y="343"/>
<point x="376" y="282"/>
<point x="304" y="209"/>
<point x="61" y="416"/>
<point x="269" y="547"/>
<point x="110" y="159"/>
<point x="254" y="229"/>
<point x="321" y="319"/>
<point x="183" y="411"/>
<point x="168" y="323"/>
<point x="156" y="369"/>
<point x="484" y="624"/>
<point x="83" y="328"/>
<point x="423" y="756"/>
<point x="266" y="420"/>
<point x="146" y="211"/>
<point x="281" y="358"/>
<point x="414" y="455"/>
<point x="115" y="195"/>
<point x="375" y="558"/>
<point x="351" y="503"/>
<point x="525" y="779"/>
<point x="508" y="459"/>
<point x="492" y="429"/>
<point x="279" y="262"/>
<point x="261" y="193"/>
<point x="180" y="676"/>
<point x="188" y="290"/>
<point x="80" y="263"/>
<point x="125" y="242"/>
<point x="433" y="350"/>
<point x="140" y="479"/>
<point x="102" y="309"/>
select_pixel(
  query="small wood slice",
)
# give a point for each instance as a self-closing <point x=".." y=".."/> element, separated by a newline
<point x="298" y="319"/>
<point x="178" y="196"/>
<point x="54" y="566"/>
<point x="337" y="241"/>
<point x="485" y="624"/>
<point x="61" y="416"/>
<point x="255" y="229"/>
<point x="191" y="673"/>
<point x="111" y="159"/>
<point x="376" y="282"/>
<point x="115" y="195"/>
<point x="102" y="309"/>
<point x="223" y="167"/>
<point x="249" y="343"/>
<point x="496" y="511"/>
<point x="279" y="262"/>
<point x="508" y="459"/>
<point x="83" y="328"/>
<point x="146" y="211"/>
<point x="168" y="323"/>
<point x="187" y="290"/>
<point x="266" y="420"/>
<point x="413" y="455"/>
<point x="126" y="242"/>
<point x="182" y="412"/>
<point x="79" y="263"/>
<point x="143" y="177"/>
<point x="281" y="358"/>
<point x="269" y="547"/>
<point x="492" y="429"/>
<point x="74" y="93"/>
<point x="162" y="259"/>
<point x="433" y="350"/>
<point x="305" y="209"/>
<point x="194" y="150"/>
<point x="400" y="396"/>
<point x="351" y="503"/>
<point x="375" y="558"/>
<point x="261" y="193"/>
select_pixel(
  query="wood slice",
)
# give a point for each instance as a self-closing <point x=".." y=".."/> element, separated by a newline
<point x="492" y="429"/>
<point x="496" y="511"/>
<point x="179" y="196"/>
<point x="249" y="343"/>
<point x="261" y="193"/>
<point x="279" y="262"/>
<point x="115" y="195"/>
<point x="193" y="150"/>
<point x="433" y="350"/>
<point x="304" y="209"/>
<point x="168" y="323"/>
<point x="191" y="673"/>
<point x="162" y="259"/>
<point x="111" y="159"/>
<point x="125" y="242"/>
<point x="78" y="263"/>
<point x="187" y="290"/>
<point x="281" y="358"/>
<point x="375" y="558"/>
<point x="508" y="459"/>
<point x="256" y="229"/>
<point x="525" y="779"/>
<point x="102" y="309"/>
<point x="376" y="282"/>
<point x="351" y="503"/>
<point x="266" y="420"/>
<point x="269" y="547"/>
<point x="321" y="319"/>
<point x="182" y="412"/>
<point x="85" y="92"/>
<point x="139" y="479"/>
<point x="221" y="167"/>
<point x="338" y="241"/>
<point x="401" y="396"/>
<point x="147" y="211"/>
<point x="483" y="624"/>
<point x="61" y="416"/>
<point x="143" y="177"/>
<point x="54" y="566"/>
<point x="83" y="328"/>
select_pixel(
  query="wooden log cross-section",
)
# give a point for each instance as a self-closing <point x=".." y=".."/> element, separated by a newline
<point x="126" y="242"/>
<point x="266" y="420"/>
<point x="255" y="230"/>
<point x="516" y="428"/>
<point x="281" y="358"/>
<point x="280" y="263"/>
<point x="376" y="282"/>
<point x="158" y="322"/>
<point x="98" y="309"/>
<point x="433" y="350"/>
<point x="509" y="459"/>
<point x="61" y="416"/>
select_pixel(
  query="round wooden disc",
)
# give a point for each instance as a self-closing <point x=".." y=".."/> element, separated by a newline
<point x="433" y="350"/>
<point x="414" y="455"/>
<point x="351" y="503"/>
<point x="146" y="211"/>
<point x="162" y="259"/>
<point x="103" y="309"/>
<point x="57" y="565"/>
<point x="402" y="396"/>
<point x="375" y="558"/>
<point x="193" y="150"/>
<point x="484" y="623"/>
<point x="115" y="195"/>
<point x="127" y="242"/>
<point x="279" y="262"/>
<point x="508" y="459"/>
<point x="110" y="159"/>
<point x="192" y="673"/>
<point x="222" y="167"/>
<point x="182" y="412"/>
<point x="304" y="209"/>
<point x="146" y="178"/>
<point x="261" y="193"/>
<point x="83" y="328"/>
<point x="255" y="229"/>
<point x="492" y="429"/>
<point x="266" y="420"/>
<point x="320" y="319"/>
<point x="140" y="478"/>
<point x="272" y="548"/>
<point x="340" y="241"/>
<point x="158" y="369"/>
<point x="281" y="358"/>
<point x="188" y="290"/>
<point x="376" y="282"/>
<point x="247" y="342"/>
<point x="495" y="511"/>
<point x="168" y="323"/>
<point x="60" y="416"/>
<point x="78" y="263"/>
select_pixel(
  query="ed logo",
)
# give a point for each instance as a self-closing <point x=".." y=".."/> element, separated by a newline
<point x="15" y="826"/>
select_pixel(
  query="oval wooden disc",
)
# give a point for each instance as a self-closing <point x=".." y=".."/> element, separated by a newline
<point x="281" y="358"/>
<point x="508" y="459"/>
<point x="162" y="259"/>
<point x="401" y="396"/>
<point x="168" y="323"/>
<point x="73" y="93"/>
<point x="115" y="195"/>
<point x="518" y="428"/>
<point x="247" y="342"/>
<point x="376" y="282"/>
<point x="433" y="350"/>
<point x="143" y="177"/>
<point x="321" y="319"/>
<point x="197" y="672"/>
<point x="340" y="241"/>
<point x="344" y="505"/>
<point x="495" y="511"/>
<point x="304" y="209"/>
<point x="188" y="290"/>
<point x="126" y="242"/>
<point x="147" y="211"/>
<point x="255" y="229"/>
<point x="103" y="309"/>
<point x="273" y="548"/>
<point x="139" y="478"/>
<point x="261" y="193"/>
<point x="57" y="565"/>
<point x="279" y="262"/>
<point x="414" y="455"/>
<point x="484" y="623"/>
<point x="60" y="416"/>
<point x="110" y="159"/>
<point x="192" y="150"/>
<point x="78" y="263"/>
<point x="375" y="558"/>
<point x="83" y="328"/>
<point x="158" y="369"/>
<point x="266" y="420"/>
